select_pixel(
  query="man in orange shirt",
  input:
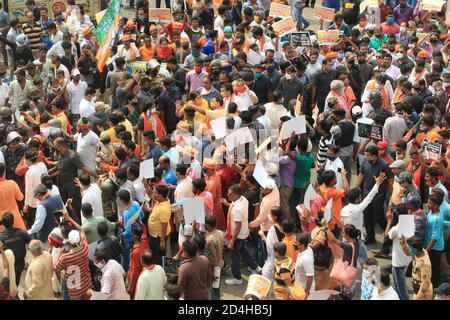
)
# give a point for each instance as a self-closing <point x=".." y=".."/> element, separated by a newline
<point x="429" y="130"/>
<point x="290" y="240"/>
<point x="147" y="51"/>
<point x="9" y="195"/>
<point x="214" y="186"/>
<point x="328" y="192"/>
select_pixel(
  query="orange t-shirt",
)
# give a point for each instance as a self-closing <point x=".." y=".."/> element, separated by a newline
<point x="9" y="195"/>
<point x="146" y="53"/>
<point x="290" y="250"/>
<point x="336" y="195"/>
<point x="349" y="96"/>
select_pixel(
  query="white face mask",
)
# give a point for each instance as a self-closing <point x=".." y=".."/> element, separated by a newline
<point x="446" y="85"/>
<point x="419" y="30"/>
<point x="402" y="29"/>
<point x="399" y="55"/>
<point x="99" y="265"/>
<point x="94" y="98"/>
<point x="289" y="76"/>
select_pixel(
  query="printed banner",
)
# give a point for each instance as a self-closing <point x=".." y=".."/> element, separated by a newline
<point x="134" y="66"/>
<point x="155" y="14"/>
<point x="366" y="130"/>
<point x="279" y="10"/>
<point x="432" y="5"/>
<point x="431" y="150"/>
<point x="323" y="13"/>
<point x="258" y="286"/>
<point x="106" y="32"/>
<point x="99" y="16"/>
<point x="285" y="26"/>
<point x="421" y="36"/>
<point x="327" y="37"/>
<point x="367" y="3"/>
<point x="301" y="39"/>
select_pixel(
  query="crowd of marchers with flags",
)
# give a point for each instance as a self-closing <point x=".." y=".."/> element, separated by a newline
<point x="214" y="148"/>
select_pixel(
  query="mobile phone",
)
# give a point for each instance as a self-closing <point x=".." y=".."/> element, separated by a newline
<point x="339" y="170"/>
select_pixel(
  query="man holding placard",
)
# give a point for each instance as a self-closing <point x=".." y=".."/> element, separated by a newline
<point x="237" y="232"/>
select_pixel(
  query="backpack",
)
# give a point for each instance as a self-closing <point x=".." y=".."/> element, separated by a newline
<point x="323" y="254"/>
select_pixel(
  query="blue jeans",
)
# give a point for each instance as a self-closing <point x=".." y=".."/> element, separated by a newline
<point x="64" y="290"/>
<point x="255" y="239"/>
<point x="398" y="273"/>
<point x="126" y="256"/>
<point x="240" y="249"/>
<point x="158" y="4"/>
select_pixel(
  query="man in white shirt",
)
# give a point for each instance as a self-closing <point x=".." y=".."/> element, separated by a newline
<point x="304" y="267"/>
<point x="400" y="260"/>
<point x="353" y="212"/>
<point x="237" y="234"/>
<point x="87" y="107"/>
<point x="87" y="143"/>
<point x="76" y="90"/>
<point x="32" y="179"/>
<point x="133" y="175"/>
<point x="4" y="88"/>
<point x="92" y="194"/>
<point x="184" y="187"/>
<point x="275" y="110"/>
<point x="384" y="290"/>
<point x="335" y="164"/>
<point x="58" y="66"/>
<point x="219" y="21"/>
<point x="395" y="127"/>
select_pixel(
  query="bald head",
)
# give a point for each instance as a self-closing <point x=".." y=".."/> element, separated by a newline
<point x="35" y="247"/>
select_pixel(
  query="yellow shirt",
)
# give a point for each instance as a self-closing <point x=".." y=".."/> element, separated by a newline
<point x="129" y="127"/>
<point x="160" y="214"/>
<point x="63" y="119"/>
<point x="112" y="134"/>
<point x="201" y="117"/>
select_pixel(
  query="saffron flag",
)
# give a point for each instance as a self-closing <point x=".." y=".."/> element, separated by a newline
<point x="106" y="32"/>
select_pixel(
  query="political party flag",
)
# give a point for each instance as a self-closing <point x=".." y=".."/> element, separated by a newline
<point x="106" y="32"/>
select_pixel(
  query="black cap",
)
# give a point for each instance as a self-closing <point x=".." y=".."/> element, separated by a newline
<point x="339" y="112"/>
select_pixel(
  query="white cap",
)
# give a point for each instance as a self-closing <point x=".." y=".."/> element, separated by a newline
<point x="152" y="64"/>
<point x="271" y="168"/>
<point x="74" y="237"/>
<point x="356" y="111"/>
<point x="76" y="72"/>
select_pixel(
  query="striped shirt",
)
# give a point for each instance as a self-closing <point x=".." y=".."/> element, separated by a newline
<point x="33" y="34"/>
<point x="324" y="143"/>
<point x="75" y="265"/>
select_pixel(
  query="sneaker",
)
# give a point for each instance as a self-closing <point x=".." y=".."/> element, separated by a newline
<point x="257" y="270"/>
<point x="376" y="251"/>
<point x="233" y="281"/>
<point x="306" y="25"/>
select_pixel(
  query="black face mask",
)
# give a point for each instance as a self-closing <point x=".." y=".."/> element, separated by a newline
<point x="362" y="61"/>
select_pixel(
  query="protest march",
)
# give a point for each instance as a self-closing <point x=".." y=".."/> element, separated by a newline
<point x="224" y="149"/>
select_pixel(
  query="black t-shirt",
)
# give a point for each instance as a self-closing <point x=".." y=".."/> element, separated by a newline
<point x="350" y="11"/>
<point x="206" y="17"/>
<point x="322" y="82"/>
<point x="68" y="166"/>
<point x="15" y="240"/>
<point x="261" y="88"/>
<point x="253" y="198"/>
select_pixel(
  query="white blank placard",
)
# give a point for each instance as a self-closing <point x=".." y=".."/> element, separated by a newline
<point x="238" y="137"/>
<point x="260" y="174"/>
<point x="194" y="210"/>
<point x="297" y="124"/>
<point x="146" y="169"/>
<point x="310" y="195"/>
<point x="219" y="127"/>
<point x="406" y="225"/>
<point x="327" y="211"/>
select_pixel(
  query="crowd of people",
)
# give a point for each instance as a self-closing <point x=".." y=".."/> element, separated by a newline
<point x="81" y="219"/>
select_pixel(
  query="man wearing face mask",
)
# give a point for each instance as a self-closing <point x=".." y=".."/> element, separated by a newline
<point x="321" y="85"/>
<point x="87" y="143"/>
<point x="378" y="38"/>
<point x="403" y="36"/>
<point x="374" y="213"/>
<point x="403" y="12"/>
<point x="390" y="27"/>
